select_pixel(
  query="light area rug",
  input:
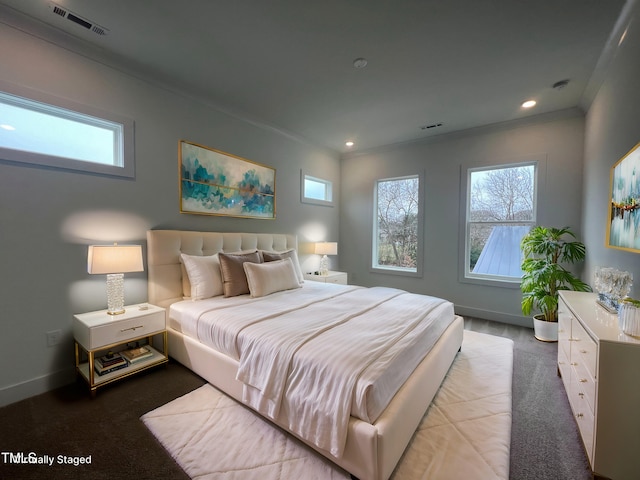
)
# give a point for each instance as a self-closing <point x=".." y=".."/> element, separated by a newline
<point x="466" y="433"/>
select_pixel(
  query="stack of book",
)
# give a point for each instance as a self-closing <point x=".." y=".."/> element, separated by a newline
<point x="109" y="363"/>
<point x="134" y="355"/>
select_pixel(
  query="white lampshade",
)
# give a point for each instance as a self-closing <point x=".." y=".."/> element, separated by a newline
<point x="114" y="261"/>
<point x="326" y="248"/>
<point x="104" y="259"/>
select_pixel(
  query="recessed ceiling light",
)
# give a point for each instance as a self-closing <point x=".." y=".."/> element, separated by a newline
<point x="7" y="127"/>
<point x="349" y="143"/>
<point x="360" y="62"/>
<point x="529" y="104"/>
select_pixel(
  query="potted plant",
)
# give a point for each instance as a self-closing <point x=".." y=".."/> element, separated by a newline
<point x="544" y="251"/>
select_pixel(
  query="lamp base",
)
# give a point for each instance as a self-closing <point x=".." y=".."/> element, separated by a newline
<point x="324" y="265"/>
<point x="115" y="293"/>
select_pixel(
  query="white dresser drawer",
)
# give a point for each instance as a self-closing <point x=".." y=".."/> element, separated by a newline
<point x="121" y="331"/>
<point x="586" y="348"/>
<point x="584" y="384"/>
<point x="564" y="365"/>
<point x="341" y="280"/>
<point x="564" y="335"/>
<point x="98" y="329"/>
<point x="331" y="277"/>
<point x="585" y="420"/>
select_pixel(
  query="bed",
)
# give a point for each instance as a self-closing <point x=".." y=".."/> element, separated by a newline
<point x="377" y="427"/>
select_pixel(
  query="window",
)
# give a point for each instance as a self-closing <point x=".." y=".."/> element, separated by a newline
<point x="501" y="208"/>
<point x="58" y="134"/>
<point x="397" y="225"/>
<point x="316" y="190"/>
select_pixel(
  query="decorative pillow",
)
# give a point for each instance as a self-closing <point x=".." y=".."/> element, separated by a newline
<point x="234" y="280"/>
<point x="186" y="284"/>
<point x="270" y="277"/>
<point x="204" y="275"/>
<point x="292" y="254"/>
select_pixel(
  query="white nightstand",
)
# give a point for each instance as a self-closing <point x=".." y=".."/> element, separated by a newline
<point x="331" y="277"/>
<point x="97" y="333"/>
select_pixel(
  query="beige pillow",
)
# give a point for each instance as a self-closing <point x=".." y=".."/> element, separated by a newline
<point x="234" y="280"/>
<point x="270" y="277"/>
<point x="292" y="254"/>
<point x="204" y="275"/>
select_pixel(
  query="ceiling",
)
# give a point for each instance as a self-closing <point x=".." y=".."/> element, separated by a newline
<point x="289" y="64"/>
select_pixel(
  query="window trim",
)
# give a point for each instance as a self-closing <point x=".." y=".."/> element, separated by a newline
<point x="315" y="201"/>
<point x="52" y="102"/>
<point x="540" y="164"/>
<point x="390" y="270"/>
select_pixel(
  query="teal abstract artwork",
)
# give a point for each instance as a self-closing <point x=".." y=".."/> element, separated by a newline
<point x="218" y="183"/>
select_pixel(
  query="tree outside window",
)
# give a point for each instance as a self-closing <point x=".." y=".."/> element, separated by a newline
<point x="397" y="224"/>
<point x="500" y="211"/>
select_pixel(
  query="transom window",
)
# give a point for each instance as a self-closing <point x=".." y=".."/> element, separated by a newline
<point x="316" y="190"/>
<point x="397" y="225"/>
<point x="501" y="209"/>
<point x="57" y="134"/>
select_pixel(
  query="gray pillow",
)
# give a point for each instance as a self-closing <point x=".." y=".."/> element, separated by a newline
<point x="234" y="280"/>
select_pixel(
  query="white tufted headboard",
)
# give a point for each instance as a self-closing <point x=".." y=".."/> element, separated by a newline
<point x="165" y="246"/>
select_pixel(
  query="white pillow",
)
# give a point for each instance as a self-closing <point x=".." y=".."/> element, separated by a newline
<point x="271" y="256"/>
<point x="204" y="275"/>
<point x="267" y="278"/>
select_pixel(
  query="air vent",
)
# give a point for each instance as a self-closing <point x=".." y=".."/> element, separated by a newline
<point x="59" y="11"/>
<point x="428" y="127"/>
<point x="78" y="20"/>
<point x="99" y="30"/>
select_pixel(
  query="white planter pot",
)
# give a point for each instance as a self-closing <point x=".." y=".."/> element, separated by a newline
<point x="545" y="331"/>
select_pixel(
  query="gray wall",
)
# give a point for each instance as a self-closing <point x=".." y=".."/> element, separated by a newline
<point x="559" y="137"/>
<point x="48" y="216"/>
<point x="580" y="153"/>
<point x="612" y="129"/>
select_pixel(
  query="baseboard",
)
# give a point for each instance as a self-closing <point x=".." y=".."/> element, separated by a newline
<point x="36" y="386"/>
<point x="496" y="316"/>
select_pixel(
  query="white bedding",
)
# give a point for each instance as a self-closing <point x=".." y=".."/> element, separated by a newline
<point x="376" y="335"/>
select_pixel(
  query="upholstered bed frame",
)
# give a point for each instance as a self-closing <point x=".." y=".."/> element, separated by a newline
<point x="372" y="450"/>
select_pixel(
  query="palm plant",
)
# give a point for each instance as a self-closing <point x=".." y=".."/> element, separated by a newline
<point x="544" y="250"/>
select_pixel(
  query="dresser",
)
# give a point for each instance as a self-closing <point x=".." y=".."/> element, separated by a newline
<point x="600" y="369"/>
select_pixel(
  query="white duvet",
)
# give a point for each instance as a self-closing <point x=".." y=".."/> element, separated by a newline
<point x="318" y="354"/>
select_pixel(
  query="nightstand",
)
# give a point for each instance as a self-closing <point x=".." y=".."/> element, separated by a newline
<point x="331" y="277"/>
<point x="96" y="333"/>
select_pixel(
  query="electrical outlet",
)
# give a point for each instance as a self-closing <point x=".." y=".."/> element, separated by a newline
<point x="53" y="337"/>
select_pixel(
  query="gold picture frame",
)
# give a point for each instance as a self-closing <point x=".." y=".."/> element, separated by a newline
<point x="623" y="228"/>
<point x="213" y="182"/>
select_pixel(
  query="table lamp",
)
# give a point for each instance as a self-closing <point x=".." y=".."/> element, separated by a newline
<point x="324" y="249"/>
<point x="114" y="261"/>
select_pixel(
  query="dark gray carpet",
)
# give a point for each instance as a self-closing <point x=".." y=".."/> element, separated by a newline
<point x="67" y="421"/>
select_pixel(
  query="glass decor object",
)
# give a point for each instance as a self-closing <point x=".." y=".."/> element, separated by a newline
<point x="612" y="286"/>
<point x="629" y="317"/>
<point x="114" y="261"/>
<point x="324" y="249"/>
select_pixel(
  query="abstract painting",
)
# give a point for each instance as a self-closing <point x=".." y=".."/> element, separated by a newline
<point x="218" y="183"/>
<point x="624" y="211"/>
